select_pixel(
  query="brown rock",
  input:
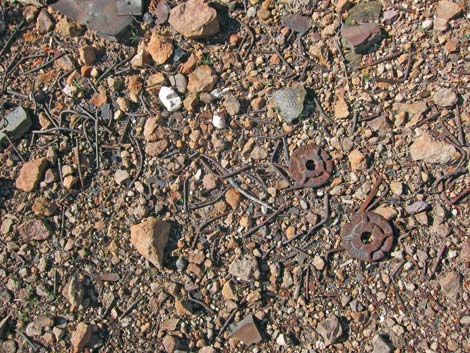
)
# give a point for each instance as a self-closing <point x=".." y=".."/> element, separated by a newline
<point x="99" y="98"/>
<point x="87" y="55"/>
<point x="194" y="19"/>
<point x="182" y="307"/>
<point x="190" y="102"/>
<point x="361" y="37"/>
<point x="65" y="63"/>
<point x="202" y="79"/>
<point x="44" y="22"/>
<point x="80" y="337"/>
<point x="30" y="13"/>
<point x="43" y="207"/>
<point x="451" y="285"/>
<point x="356" y="160"/>
<point x="135" y="86"/>
<point x="343" y="5"/>
<point x="154" y="149"/>
<point x="258" y="103"/>
<point x="142" y="58"/>
<point x="448" y="10"/>
<point x="209" y="181"/>
<point x="69" y="28"/>
<point x="30" y="174"/>
<point x="70" y="181"/>
<point x="154" y="82"/>
<point x="227" y="291"/>
<point x="34" y="229"/>
<point x="160" y="48"/>
<point x="247" y="331"/>
<point x="445" y="97"/>
<point x="188" y="65"/>
<point x="465" y="252"/>
<point x="426" y="148"/>
<point x="150" y="238"/>
<point x="341" y="107"/>
<point x="232" y="196"/>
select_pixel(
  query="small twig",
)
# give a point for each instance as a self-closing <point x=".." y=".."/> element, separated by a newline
<point x="48" y="62"/>
<point x="8" y="42"/>
<point x="379" y="61"/>
<point x="28" y="340"/>
<point x="130" y="308"/>
<point x="265" y="222"/>
<point x="227" y="322"/>
<point x="112" y="67"/>
<point x="438" y="260"/>
<point x="13" y="146"/>
<point x="141" y="162"/>
<point x="201" y="303"/>
<point x="371" y="195"/>
<point x="79" y="164"/>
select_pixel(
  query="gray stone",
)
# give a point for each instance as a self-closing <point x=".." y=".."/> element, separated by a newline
<point x="445" y="97"/>
<point x="381" y="345"/>
<point x="231" y="104"/>
<point x="451" y="285"/>
<point x="15" y="125"/>
<point x="290" y="102"/>
<point x="364" y="12"/>
<point x="181" y="83"/>
<point x="330" y="329"/>
<point x="245" y="268"/>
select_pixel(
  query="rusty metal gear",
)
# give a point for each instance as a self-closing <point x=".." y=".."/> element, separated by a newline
<point x="310" y="165"/>
<point x="368" y="237"/>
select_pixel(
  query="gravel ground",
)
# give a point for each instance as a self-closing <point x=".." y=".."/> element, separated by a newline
<point x="238" y="176"/>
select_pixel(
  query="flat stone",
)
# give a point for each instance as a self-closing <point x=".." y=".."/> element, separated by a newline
<point x="258" y="153"/>
<point x="413" y="109"/>
<point x="142" y="58"/>
<point x="227" y="291"/>
<point x="150" y="238"/>
<point x="381" y="345"/>
<point x="361" y="37"/>
<point x="194" y="19"/>
<point x="44" y="22"/>
<point x="87" y="54"/>
<point x="209" y="181"/>
<point x="231" y="104"/>
<point x="451" y="285"/>
<point x="120" y="176"/>
<point x="202" y="79"/>
<point x="448" y="10"/>
<point x="416" y="207"/>
<point x="297" y="23"/>
<point x="80" y="337"/>
<point x="170" y="99"/>
<point x="341" y="107"/>
<point x="364" y="12"/>
<point x="290" y="102"/>
<point x="445" y="97"/>
<point x="161" y="11"/>
<point x="232" y="196"/>
<point x="160" y="48"/>
<point x="43" y="207"/>
<point x="356" y="160"/>
<point x="30" y="174"/>
<point x="426" y="148"/>
<point x="247" y="331"/>
<point x="15" y="125"/>
<point x="74" y="292"/>
<point x="244" y="268"/>
<point x="330" y="329"/>
<point x="34" y="229"/>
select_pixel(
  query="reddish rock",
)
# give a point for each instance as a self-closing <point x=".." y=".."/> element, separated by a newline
<point x="247" y="331"/>
<point x="30" y="174"/>
<point x="34" y="229"/>
<point x="44" y="22"/>
<point x="448" y="10"/>
<point x="194" y="19"/>
<point x="80" y="337"/>
<point x="87" y="55"/>
<point x="426" y="148"/>
<point x="150" y="238"/>
<point x="361" y="37"/>
<point x="202" y="79"/>
<point x="160" y="48"/>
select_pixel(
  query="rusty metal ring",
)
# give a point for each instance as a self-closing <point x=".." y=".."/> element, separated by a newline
<point x="368" y="237"/>
<point x="310" y="165"/>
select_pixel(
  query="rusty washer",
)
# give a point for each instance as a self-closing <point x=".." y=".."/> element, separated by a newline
<point x="310" y="165"/>
<point x="368" y="237"/>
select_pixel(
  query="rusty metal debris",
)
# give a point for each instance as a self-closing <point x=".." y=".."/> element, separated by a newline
<point x="368" y="237"/>
<point x="108" y="18"/>
<point x="310" y="166"/>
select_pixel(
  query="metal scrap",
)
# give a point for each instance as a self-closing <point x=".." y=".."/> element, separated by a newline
<point x="368" y="237"/>
<point x="108" y="18"/>
<point x="310" y="166"/>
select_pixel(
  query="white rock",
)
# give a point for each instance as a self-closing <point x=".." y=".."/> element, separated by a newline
<point x="218" y="121"/>
<point x="427" y="24"/>
<point x="170" y="99"/>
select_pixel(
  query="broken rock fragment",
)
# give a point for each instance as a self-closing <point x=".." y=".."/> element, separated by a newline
<point x="202" y="79"/>
<point x="150" y="238"/>
<point x="290" y="102"/>
<point x="15" y="124"/>
<point x="30" y="174"/>
<point x="170" y="99"/>
<point x="34" y="229"/>
<point x="361" y="37"/>
<point x="247" y="331"/>
<point x="160" y="48"/>
<point x="427" y="149"/>
<point x="445" y="97"/>
<point x="451" y="285"/>
<point x="80" y="337"/>
<point x="365" y="12"/>
<point x="330" y="329"/>
<point x="448" y="10"/>
<point x="194" y="19"/>
<point x="44" y="22"/>
<point x="297" y="23"/>
<point x="245" y="268"/>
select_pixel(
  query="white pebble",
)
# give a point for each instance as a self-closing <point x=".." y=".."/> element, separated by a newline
<point x="427" y="24"/>
<point x="170" y="99"/>
<point x="218" y="121"/>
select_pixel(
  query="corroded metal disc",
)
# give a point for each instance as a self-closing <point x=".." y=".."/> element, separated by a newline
<point x="310" y="165"/>
<point x="368" y="237"/>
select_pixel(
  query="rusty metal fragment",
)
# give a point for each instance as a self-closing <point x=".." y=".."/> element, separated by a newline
<point x="108" y="18"/>
<point x="310" y="166"/>
<point x="368" y="237"/>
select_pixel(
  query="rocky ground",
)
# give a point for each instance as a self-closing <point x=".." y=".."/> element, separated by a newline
<point x="236" y="176"/>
